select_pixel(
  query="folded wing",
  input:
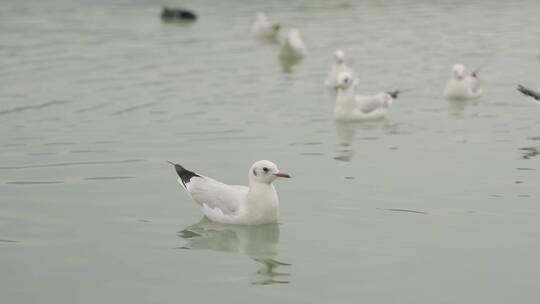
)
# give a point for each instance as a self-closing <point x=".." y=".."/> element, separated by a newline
<point x="207" y="191"/>
<point x="214" y="194"/>
<point x="368" y="104"/>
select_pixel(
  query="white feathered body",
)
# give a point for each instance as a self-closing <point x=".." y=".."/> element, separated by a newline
<point x="232" y="204"/>
<point x="350" y="106"/>
<point x="292" y="45"/>
<point x="468" y="87"/>
<point x="262" y="28"/>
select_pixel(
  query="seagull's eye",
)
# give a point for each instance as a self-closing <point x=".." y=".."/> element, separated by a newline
<point x="265" y="169"/>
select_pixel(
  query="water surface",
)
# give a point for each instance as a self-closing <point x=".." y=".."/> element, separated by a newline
<point x="437" y="204"/>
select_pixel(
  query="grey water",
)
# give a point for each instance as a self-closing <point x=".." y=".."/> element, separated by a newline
<point x="439" y="203"/>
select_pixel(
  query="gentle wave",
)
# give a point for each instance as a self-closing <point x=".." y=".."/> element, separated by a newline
<point x="104" y="162"/>
<point x="34" y="107"/>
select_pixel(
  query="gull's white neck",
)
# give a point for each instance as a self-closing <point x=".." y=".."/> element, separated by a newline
<point x="345" y="102"/>
<point x="262" y="204"/>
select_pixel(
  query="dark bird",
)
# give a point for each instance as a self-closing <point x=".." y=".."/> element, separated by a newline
<point x="177" y="14"/>
<point x="529" y="92"/>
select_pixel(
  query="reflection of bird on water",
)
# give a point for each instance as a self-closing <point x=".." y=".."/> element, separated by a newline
<point x="288" y="63"/>
<point x="345" y="133"/>
<point x="257" y="242"/>
<point x="530" y="152"/>
<point x="457" y="107"/>
<point x="266" y="275"/>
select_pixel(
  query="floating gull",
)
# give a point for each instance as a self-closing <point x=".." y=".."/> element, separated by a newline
<point x="264" y="29"/>
<point x="293" y="46"/>
<point x="530" y="93"/>
<point x="177" y="14"/>
<point x="339" y="66"/>
<point x="350" y="106"/>
<point x="253" y="205"/>
<point x="462" y="86"/>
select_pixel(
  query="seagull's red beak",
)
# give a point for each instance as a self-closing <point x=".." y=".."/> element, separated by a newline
<point x="281" y="174"/>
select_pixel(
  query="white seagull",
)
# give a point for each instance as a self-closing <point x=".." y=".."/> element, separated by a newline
<point x="241" y="205"/>
<point x="264" y="29"/>
<point x="350" y="106"/>
<point x="339" y="66"/>
<point x="531" y="93"/>
<point x="461" y="86"/>
<point x="293" y="46"/>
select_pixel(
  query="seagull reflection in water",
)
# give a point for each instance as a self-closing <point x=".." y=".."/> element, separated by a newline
<point x="288" y="63"/>
<point x="346" y="134"/>
<point x="457" y="108"/>
<point x="257" y="242"/>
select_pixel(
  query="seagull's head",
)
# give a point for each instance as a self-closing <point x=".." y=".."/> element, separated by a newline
<point x="294" y="34"/>
<point x="344" y="80"/>
<point x="339" y="56"/>
<point x="265" y="171"/>
<point x="261" y="16"/>
<point x="458" y="70"/>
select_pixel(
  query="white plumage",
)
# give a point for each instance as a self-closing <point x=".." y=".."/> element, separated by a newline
<point x="350" y="106"/>
<point x="264" y="29"/>
<point x="461" y="86"/>
<point x="339" y="66"/>
<point x="233" y="204"/>
<point x="292" y="46"/>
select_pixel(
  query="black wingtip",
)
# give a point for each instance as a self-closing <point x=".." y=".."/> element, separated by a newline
<point x="475" y="73"/>
<point x="528" y="92"/>
<point x="394" y="94"/>
<point x="184" y="174"/>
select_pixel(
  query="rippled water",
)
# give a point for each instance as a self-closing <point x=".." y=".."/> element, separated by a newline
<point x="437" y="204"/>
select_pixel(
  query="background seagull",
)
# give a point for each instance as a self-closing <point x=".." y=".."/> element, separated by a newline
<point x="253" y="205"/>
<point x="264" y="29"/>
<point x="350" y="106"/>
<point x="462" y="86"/>
<point x="293" y="46"/>
<point x="339" y="66"/>
<point x="530" y="93"/>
